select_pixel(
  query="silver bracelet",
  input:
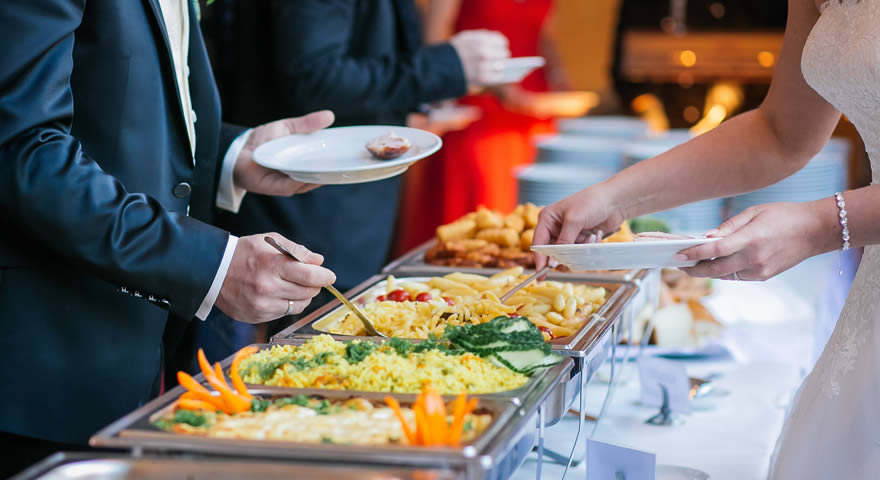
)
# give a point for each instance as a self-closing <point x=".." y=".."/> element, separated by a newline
<point x="841" y="204"/>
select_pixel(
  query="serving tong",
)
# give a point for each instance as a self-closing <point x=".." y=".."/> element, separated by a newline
<point x="551" y="264"/>
<point x="368" y="326"/>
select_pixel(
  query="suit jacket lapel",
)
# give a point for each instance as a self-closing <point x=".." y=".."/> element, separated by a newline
<point x="169" y="70"/>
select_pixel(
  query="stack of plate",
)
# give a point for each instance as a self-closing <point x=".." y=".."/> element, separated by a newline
<point x="824" y="175"/>
<point x="543" y="184"/>
<point x="694" y="218"/>
<point x="593" y="152"/>
<point x="604" y="126"/>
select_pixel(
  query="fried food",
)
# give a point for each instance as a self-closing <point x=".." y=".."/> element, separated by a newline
<point x="505" y="237"/>
<point x="487" y="219"/>
<point x="489" y="239"/>
<point x="457" y="230"/>
<point x="526" y="239"/>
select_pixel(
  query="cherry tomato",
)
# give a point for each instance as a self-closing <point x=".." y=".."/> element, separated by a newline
<point x="449" y="301"/>
<point x="399" y="295"/>
<point x="424" y="297"/>
<point x="516" y="315"/>
<point x="547" y="331"/>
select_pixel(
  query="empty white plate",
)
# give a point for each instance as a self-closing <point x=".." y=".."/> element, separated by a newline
<point x="337" y="156"/>
<point x="620" y="256"/>
<point x="513" y="70"/>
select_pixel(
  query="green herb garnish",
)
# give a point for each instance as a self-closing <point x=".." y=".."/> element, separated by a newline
<point x="356" y="351"/>
<point x="259" y="404"/>
<point x="189" y="417"/>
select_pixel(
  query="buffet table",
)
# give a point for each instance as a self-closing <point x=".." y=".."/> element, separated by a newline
<point x="730" y="434"/>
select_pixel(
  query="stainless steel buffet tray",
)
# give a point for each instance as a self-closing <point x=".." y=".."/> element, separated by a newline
<point x="494" y="454"/>
<point x="577" y="345"/>
<point x="414" y="261"/>
<point x="109" y="466"/>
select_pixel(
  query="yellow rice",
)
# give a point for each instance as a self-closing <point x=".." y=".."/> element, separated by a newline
<point x="381" y="371"/>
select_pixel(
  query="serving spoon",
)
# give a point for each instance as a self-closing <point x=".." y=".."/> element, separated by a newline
<point x="368" y="326"/>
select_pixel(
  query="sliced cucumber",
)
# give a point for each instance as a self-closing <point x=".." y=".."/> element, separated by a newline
<point x="526" y="361"/>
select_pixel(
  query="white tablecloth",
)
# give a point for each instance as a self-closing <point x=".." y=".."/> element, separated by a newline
<point x="771" y="332"/>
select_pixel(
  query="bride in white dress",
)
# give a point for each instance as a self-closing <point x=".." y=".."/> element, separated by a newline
<point x="829" y="63"/>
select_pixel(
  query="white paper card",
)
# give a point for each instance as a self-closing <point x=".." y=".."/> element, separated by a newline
<point x="611" y="462"/>
<point x="654" y="372"/>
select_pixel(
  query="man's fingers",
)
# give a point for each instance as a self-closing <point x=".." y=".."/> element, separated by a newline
<point x="310" y="123"/>
<point x="302" y="253"/>
<point x="290" y="307"/>
<point x="307" y="275"/>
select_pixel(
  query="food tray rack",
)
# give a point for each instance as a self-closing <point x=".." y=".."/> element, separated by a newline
<point x="591" y="343"/>
<point x="496" y="453"/>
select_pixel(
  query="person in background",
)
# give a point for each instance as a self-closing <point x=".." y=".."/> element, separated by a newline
<point x="106" y="248"/>
<point x="476" y="165"/>
<point x="364" y="60"/>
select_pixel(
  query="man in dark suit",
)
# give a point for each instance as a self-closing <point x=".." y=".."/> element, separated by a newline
<point x="363" y="59"/>
<point x="104" y="207"/>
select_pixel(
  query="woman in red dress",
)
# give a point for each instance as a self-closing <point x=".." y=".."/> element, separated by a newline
<point x="477" y="164"/>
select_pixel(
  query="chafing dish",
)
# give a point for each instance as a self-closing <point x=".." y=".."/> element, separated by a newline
<point x="109" y="466"/>
<point x="577" y="345"/>
<point x="493" y="454"/>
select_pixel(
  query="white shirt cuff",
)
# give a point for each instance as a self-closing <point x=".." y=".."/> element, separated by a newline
<point x="229" y="196"/>
<point x="214" y="291"/>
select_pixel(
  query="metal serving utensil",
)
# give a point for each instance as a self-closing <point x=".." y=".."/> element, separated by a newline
<point x="551" y="264"/>
<point x="368" y="326"/>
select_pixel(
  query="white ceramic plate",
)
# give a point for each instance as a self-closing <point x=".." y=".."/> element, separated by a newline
<point x="513" y="70"/>
<point x="337" y="156"/>
<point x="621" y="256"/>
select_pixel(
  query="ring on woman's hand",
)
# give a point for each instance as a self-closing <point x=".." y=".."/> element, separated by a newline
<point x="289" y="308"/>
<point x="736" y="277"/>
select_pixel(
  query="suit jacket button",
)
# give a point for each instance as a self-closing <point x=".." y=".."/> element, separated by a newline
<point x="182" y="190"/>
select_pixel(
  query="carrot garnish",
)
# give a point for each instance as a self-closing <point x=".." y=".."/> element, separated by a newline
<point x="195" y="389"/>
<point x="455" y="430"/>
<point x="191" y="404"/>
<point x="207" y="371"/>
<point x="237" y="382"/>
<point x="395" y="406"/>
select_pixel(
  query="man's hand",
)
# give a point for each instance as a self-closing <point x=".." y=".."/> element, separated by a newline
<point x="480" y="52"/>
<point x="261" y="282"/>
<point x="254" y="178"/>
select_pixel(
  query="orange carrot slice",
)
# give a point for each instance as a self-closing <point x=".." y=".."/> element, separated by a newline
<point x="455" y="430"/>
<point x="190" y="404"/>
<point x="395" y="406"/>
<point x="196" y="389"/>
<point x="237" y="382"/>
<point x="204" y="365"/>
<point x="422" y="429"/>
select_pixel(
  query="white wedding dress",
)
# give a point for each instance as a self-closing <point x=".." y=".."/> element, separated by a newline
<point x="833" y="430"/>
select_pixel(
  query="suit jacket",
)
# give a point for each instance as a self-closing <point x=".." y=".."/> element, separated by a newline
<point x="364" y="60"/>
<point x="96" y="179"/>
